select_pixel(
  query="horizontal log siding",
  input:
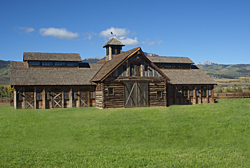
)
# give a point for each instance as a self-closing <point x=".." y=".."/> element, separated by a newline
<point x="153" y="100"/>
<point x="116" y="100"/>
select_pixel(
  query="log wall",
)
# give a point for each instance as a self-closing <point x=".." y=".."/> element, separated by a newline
<point x="154" y="100"/>
<point x="117" y="99"/>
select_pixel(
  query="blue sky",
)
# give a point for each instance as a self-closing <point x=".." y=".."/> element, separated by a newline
<point x="203" y="30"/>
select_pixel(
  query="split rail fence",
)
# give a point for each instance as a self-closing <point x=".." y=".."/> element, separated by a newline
<point x="231" y="95"/>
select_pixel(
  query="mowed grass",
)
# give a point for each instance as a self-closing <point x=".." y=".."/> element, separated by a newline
<point x="204" y="135"/>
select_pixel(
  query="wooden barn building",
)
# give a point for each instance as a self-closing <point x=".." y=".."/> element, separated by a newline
<point x="123" y="79"/>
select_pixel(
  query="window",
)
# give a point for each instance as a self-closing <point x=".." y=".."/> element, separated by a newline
<point x="185" y="93"/>
<point x="159" y="94"/>
<point x="34" y="63"/>
<point x="111" y="91"/>
<point x="146" y="68"/>
<point x="118" y="49"/>
<point x="177" y="66"/>
<point x="191" y="93"/>
<point x="203" y="92"/>
<point x="75" y="95"/>
<point x="39" y="96"/>
<point x="47" y="63"/>
<point x="66" y="95"/>
<point x="158" y="65"/>
<point x="185" y="66"/>
<point x="92" y="94"/>
<point x="135" y="69"/>
<point x="167" y="66"/>
<point x="72" y="64"/>
<point x="60" y="64"/>
<point x="209" y="92"/>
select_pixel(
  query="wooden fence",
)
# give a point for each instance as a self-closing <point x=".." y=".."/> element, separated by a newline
<point x="231" y="95"/>
<point x="6" y="101"/>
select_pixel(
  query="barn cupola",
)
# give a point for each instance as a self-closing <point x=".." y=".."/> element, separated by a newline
<point x="113" y="47"/>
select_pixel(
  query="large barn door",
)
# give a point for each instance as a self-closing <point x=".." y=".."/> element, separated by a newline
<point x="135" y="94"/>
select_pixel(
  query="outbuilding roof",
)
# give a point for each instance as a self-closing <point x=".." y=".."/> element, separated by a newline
<point x="164" y="59"/>
<point x="20" y="75"/>
<point x="189" y="76"/>
<point x="37" y="56"/>
<point x="114" y="41"/>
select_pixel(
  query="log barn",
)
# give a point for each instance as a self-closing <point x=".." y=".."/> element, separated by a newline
<point x="123" y="79"/>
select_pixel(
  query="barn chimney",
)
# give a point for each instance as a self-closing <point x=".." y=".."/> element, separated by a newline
<point x="113" y="47"/>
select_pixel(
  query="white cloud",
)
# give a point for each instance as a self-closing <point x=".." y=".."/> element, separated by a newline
<point x="89" y="35"/>
<point x="159" y="42"/>
<point x="121" y="34"/>
<point x="150" y="43"/>
<point x="58" y="33"/>
<point x="27" y="29"/>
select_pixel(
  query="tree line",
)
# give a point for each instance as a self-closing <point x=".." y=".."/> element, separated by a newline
<point x="6" y="91"/>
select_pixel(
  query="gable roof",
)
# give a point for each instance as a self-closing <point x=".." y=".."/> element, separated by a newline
<point x="189" y="76"/>
<point x="36" y="56"/>
<point x="163" y="59"/>
<point x="21" y="75"/>
<point x="114" y="41"/>
<point x="111" y="65"/>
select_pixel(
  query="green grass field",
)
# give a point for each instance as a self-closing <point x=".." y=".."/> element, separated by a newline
<point x="205" y="135"/>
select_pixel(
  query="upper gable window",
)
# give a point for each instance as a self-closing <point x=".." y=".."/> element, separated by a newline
<point x="72" y="64"/>
<point x="60" y="64"/>
<point x="34" y="63"/>
<point x="49" y="63"/>
<point x="135" y="69"/>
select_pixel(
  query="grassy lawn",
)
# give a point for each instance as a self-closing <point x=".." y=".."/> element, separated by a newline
<point x="205" y="135"/>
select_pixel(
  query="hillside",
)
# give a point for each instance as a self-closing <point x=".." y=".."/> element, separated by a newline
<point x="227" y="71"/>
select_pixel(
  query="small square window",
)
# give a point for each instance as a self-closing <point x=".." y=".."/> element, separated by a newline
<point x="146" y="67"/>
<point x="159" y="94"/>
<point x="111" y="91"/>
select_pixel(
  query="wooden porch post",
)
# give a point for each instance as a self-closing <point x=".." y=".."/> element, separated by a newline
<point x="62" y="99"/>
<point x="207" y="94"/>
<point x="44" y="99"/>
<point x="168" y="96"/>
<point x="34" y="98"/>
<point x="14" y="98"/>
<point x="165" y="90"/>
<point x="212" y="95"/>
<point x="70" y="97"/>
<point x="174" y="94"/>
<point x="78" y="98"/>
<point x="24" y="99"/>
<point x="199" y="95"/>
<point x="181" y="100"/>
<point x="194" y="95"/>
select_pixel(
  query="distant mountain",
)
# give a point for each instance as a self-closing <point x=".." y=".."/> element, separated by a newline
<point x="96" y="59"/>
<point x="207" y="63"/>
